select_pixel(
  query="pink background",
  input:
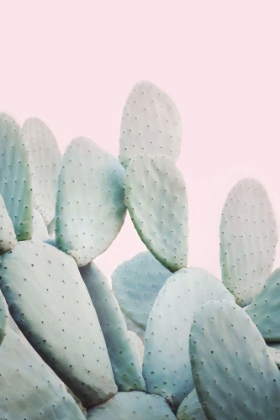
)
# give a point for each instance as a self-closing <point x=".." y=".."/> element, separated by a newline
<point x="73" y="63"/>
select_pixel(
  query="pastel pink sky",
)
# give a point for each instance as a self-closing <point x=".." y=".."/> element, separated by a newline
<point x="73" y="63"/>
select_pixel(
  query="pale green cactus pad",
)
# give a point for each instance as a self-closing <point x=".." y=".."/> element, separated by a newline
<point x="137" y="346"/>
<point x="156" y="198"/>
<point x="265" y="308"/>
<point x="150" y="124"/>
<point x="50" y="303"/>
<point x="190" y="408"/>
<point x="40" y="231"/>
<point x="132" y="406"/>
<point x="234" y="376"/>
<point x="3" y="317"/>
<point x="136" y="283"/>
<point x="8" y="238"/>
<point x="248" y="237"/>
<point x="166" y="366"/>
<point x="131" y="326"/>
<point x="90" y="207"/>
<point x="15" y="177"/>
<point x="274" y="353"/>
<point x="29" y="390"/>
<point x="44" y="157"/>
<point x="127" y="371"/>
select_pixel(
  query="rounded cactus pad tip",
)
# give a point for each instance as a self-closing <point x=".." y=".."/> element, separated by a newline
<point x="136" y="284"/>
<point x="248" y="238"/>
<point x="90" y="207"/>
<point x="132" y="405"/>
<point x="15" y="177"/>
<point x="50" y="303"/>
<point x="127" y="370"/>
<point x="150" y="124"/>
<point x="234" y="376"/>
<point x="44" y="158"/>
<point x="166" y="365"/>
<point x="156" y="198"/>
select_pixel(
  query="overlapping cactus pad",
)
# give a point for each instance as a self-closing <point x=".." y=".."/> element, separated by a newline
<point x="163" y="340"/>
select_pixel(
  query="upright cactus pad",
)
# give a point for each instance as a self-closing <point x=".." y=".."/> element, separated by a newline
<point x="150" y="124"/>
<point x="235" y="377"/>
<point x="44" y="157"/>
<point x="132" y="406"/>
<point x="166" y="366"/>
<point x="8" y="238"/>
<point x="29" y="390"/>
<point x="50" y="303"/>
<point x="157" y="202"/>
<point x="90" y="207"/>
<point x="136" y="284"/>
<point x="248" y="237"/>
<point x="127" y="371"/>
<point x="15" y="177"/>
<point x="265" y="308"/>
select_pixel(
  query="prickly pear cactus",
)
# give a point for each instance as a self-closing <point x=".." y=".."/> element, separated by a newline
<point x="165" y="340"/>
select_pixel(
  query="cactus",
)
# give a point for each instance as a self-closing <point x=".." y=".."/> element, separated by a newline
<point x="90" y="208"/>
<point x="166" y="366"/>
<point x="233" y="373"/>
<point x="150" y="123"/>
<point x="165" y="338"/>
<point x="136" y="284"/>
<point x="156" y="198"/>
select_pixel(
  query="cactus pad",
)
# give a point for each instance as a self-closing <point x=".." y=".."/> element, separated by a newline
<point x="248" y="237"/>
<point x="132" y="406"/>
<point x="166" y="366"/>
<point x="44" y="157"/>
<point x="265" y="308"/>
<point x="8" y="238"/>
<point x="90" y="207"/>
<point x="127" y="371"/>
<point x="15" y="177"/>
<point x="157" y="202"/>
<point x="234" y="376"/>
<point x="190" y="408"/>
<point x="40" y="230"/>
<point x="136" y="284"/>
<point x="150" y="124"/>
<point x="29" y="390"/>
<point x="50" y="303"/>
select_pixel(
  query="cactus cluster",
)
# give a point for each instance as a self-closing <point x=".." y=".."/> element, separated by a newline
<point x="163" y="340"/>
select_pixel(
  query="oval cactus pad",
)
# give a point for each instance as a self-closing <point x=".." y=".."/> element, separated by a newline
<point x="156" y="198"/>
<point x="234" y="376"/>
<point x="166" y="366"/>
<point x="265" y="308"/>
<point x="29" y="389"/>
<point x="50" y="303"/>
<point x="90" y="207"/>
<point x="132" y="406"/>
<point x="136" y="284"/>
<point x="15" y="177"/>
<point x="150" y="124"/>
<point x="44" y="157"/>
<point x="248" y="237"/>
